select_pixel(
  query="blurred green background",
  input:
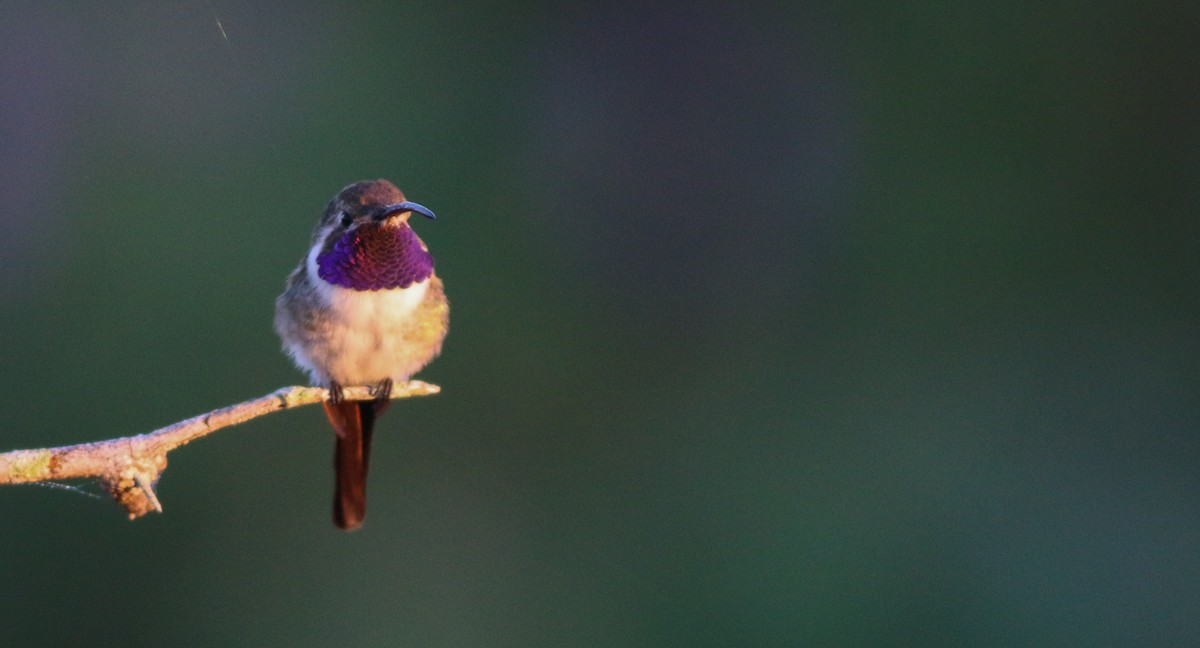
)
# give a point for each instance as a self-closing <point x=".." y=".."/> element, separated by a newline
<point x="842" y="325"/>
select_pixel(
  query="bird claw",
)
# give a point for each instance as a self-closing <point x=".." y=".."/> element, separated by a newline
<point x="382" y="391"/>
<point x="383" y="395"/>
<point x="335" y="394"/>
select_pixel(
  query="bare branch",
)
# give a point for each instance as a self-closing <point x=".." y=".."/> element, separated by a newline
<point x="130" y="466"/>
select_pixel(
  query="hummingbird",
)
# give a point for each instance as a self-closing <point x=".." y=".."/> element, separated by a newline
<point x="364" y="307"/>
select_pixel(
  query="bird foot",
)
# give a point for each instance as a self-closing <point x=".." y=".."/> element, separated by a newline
<point x="335" y="394"/>
<point x="383" y="395"/>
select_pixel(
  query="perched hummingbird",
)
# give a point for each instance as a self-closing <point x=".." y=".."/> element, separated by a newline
<point x="363" y="308"/>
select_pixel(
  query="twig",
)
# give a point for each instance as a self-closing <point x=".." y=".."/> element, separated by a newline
<point x="130" y="466"/>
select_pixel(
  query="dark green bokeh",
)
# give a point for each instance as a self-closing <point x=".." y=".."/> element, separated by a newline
<point x="853" y="326"/>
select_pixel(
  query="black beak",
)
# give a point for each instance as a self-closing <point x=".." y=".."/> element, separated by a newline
<point x="401" y="207"/>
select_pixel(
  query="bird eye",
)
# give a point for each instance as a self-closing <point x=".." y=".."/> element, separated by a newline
<point x="346" y="220"/>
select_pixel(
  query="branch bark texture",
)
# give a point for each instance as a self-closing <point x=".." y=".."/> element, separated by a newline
<point x="130" y="466"/>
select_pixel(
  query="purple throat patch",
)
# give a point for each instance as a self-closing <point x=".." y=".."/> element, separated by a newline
<point x="372" y="257"/>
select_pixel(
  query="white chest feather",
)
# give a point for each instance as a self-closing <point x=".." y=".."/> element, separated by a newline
<point x="364" y="339"/>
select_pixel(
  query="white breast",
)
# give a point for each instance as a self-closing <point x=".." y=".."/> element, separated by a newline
<point x="364" y="340"/>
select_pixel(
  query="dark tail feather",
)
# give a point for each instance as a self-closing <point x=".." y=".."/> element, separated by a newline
<point x="368" y="412"/>
<point x="354" y="422"/>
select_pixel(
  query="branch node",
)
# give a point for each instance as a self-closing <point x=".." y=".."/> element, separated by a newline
<point x="133" y="485"/>
<point x="148" y="489"/>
